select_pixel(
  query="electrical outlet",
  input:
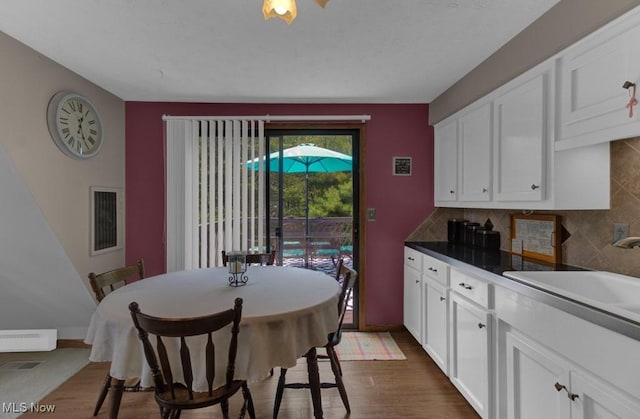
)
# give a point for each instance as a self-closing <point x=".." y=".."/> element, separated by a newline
<point x="371" y="214"/>
<point x="620" y="231"/>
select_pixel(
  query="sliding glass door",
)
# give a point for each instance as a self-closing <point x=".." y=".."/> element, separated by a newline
<point x="312" y="199"/>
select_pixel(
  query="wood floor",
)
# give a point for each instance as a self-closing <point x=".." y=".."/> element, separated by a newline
<point x="414" y="388"/>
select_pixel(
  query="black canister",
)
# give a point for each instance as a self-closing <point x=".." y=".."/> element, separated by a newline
<point x="459" y="230"/>
<point x="475" y="237"/>
<point x="488" y="239"/>
<point x="453" y="230"/>
<point x="469" y="232"/>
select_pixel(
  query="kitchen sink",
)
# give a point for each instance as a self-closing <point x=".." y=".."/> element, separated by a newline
<point x="616" y="293"/>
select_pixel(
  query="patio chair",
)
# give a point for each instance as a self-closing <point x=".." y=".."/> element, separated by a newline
<point x="348" y="278"/>
<point x="261" y="259"/>
<point x="102" y="284"/>
<point x="173" y="397"/>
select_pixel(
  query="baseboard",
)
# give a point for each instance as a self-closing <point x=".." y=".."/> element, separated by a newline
<point x="382" y="328"/>
<point x="72" y="343"/>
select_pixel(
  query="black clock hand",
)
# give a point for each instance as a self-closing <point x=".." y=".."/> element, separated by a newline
<point x="81" y="132"/>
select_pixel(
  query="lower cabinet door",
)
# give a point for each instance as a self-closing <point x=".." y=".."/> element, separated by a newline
<point x="470" y="353"/>
<point x="435" y="323"/>
<point x="591" y="399"/>
<point x="541" y="384"/>
<point x="537" y="382"/>
<point x="412" y="311"/>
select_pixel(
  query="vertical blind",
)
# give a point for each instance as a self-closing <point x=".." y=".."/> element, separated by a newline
<point x="214" y="201"/>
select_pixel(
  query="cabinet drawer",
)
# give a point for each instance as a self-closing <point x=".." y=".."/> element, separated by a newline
<point x="435" y="269"/>
<point x="472" y="288"/>
<point x="413" y="258"/>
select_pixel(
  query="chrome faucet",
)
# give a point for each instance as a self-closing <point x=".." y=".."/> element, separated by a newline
<point x="628" y="242"/>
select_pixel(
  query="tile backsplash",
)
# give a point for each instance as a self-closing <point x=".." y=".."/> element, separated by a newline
<point x="591" y="231"/>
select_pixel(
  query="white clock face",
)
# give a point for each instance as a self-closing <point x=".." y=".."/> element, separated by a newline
<point x="75" y="125"/>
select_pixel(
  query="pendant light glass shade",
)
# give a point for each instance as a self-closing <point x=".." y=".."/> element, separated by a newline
<point x="284" y="9"/>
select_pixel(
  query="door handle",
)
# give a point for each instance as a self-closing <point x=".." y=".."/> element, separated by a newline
<point x="570" y="395"/>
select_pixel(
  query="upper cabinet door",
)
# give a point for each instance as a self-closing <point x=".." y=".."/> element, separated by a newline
<point x="446" y="162"/>
<point x="592" y="74"/>
<point x="520" y="141"/>
<point x="475" y="142"/>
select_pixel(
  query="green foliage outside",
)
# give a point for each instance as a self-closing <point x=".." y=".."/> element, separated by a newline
<point x="330" y="194"/>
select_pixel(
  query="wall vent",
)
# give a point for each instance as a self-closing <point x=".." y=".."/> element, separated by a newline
<point x="19" y="365"/>
<point x="28" y="340"/>
<point x="106" y="214"/>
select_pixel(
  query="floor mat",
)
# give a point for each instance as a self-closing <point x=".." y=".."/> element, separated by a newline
<point x="362" y="346"/>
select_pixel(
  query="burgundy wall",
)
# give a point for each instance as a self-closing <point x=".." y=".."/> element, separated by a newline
<point x="401" y="202"/>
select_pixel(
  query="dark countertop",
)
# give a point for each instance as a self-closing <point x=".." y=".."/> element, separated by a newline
<point x="494" y="261"/>
<point x="489" y="266"/>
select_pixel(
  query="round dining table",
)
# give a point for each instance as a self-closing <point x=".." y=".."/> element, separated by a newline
<point x="286" y="312"/>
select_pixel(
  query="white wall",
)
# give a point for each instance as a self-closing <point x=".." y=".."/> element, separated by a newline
<point x="59" y="187"/>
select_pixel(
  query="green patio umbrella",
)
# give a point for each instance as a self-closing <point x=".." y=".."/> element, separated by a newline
<point x="307" y="158"/>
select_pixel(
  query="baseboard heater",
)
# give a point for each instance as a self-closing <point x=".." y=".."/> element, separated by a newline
<point x="28" y="340"/>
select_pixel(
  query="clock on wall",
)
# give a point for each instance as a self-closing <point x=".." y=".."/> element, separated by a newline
<point x="75" y="125"/>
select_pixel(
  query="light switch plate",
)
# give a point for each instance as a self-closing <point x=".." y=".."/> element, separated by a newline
<point x="371" y="214"/>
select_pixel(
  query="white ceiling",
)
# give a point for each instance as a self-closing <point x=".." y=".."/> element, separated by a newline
<point x="353" y="51"/>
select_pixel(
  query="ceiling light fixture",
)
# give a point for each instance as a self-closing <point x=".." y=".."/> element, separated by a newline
<point x="284" y="9"/>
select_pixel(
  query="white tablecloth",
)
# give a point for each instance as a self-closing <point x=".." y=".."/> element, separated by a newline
<point x="286" y="311"/>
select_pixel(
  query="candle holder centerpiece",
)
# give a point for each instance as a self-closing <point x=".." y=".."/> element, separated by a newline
<point x="237" y="263"/>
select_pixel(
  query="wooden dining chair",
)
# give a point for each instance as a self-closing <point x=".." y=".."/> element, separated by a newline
<point x="348" y="279"/>
<point x="102" y="284"/>
<point x="340" y="275"/>
<point x="261" y="259"/>
<point x="173" y="397"/>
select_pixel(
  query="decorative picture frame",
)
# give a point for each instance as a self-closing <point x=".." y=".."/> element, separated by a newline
<point x="402" y="166"/>
<point x="106" y="220"/>
<point x="537" y="236"/>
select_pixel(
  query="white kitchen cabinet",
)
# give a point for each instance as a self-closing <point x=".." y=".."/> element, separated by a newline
<point x="436" y="325"/>
<point x="595" y="400"/>
<point x="523" y="170"/>
<point x="532" y="376"/>
<point x="446" y="162"/>
<point x="412" y="309"/>
<point x="435" y="270"/>
<point x="475" y="137"/>
<point x="471" y="340"/>
<point x="542" y="384"/>
<point x="521" y="121"/>
<point x="552" y="364"/>
<point x="470" y="352"/>
<point x="592" y="73"/>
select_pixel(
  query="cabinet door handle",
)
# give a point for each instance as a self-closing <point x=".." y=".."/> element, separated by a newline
<point x="465" y="286"/>
<point x="433" y="269"/>
<point x="442" y="299"/>
<point x="410" y="258"/>
<point x="417" y="281"/>
<point x="561" y="387"/>
<point x="484" y="190"/>
<point x="452" y="191"/>
<point x="481" y="325"/>
<point x="534" y="186"/>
